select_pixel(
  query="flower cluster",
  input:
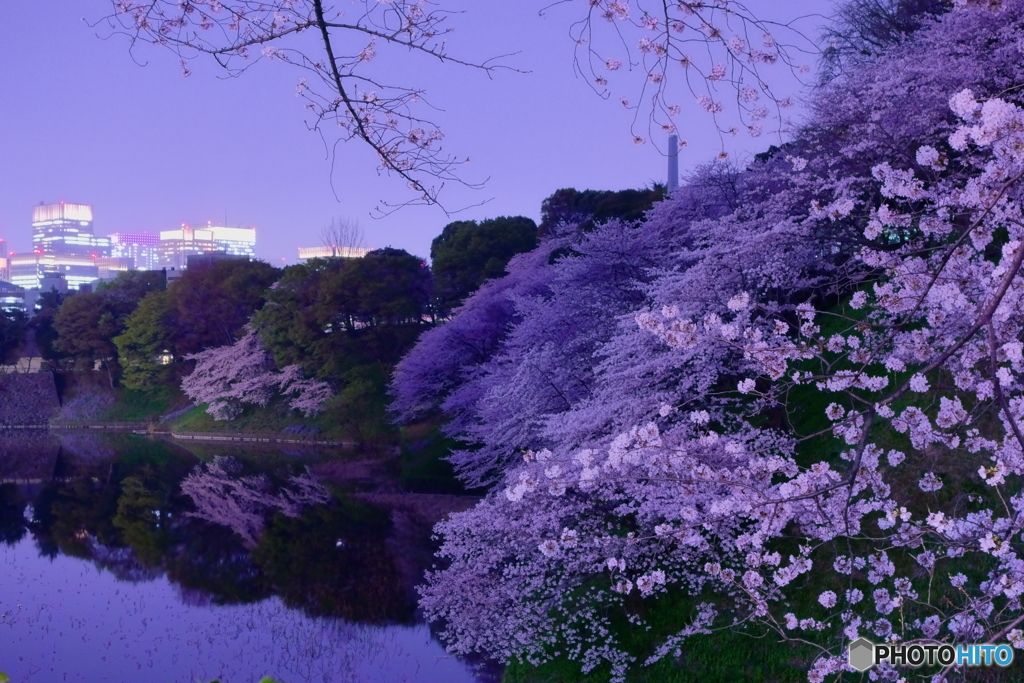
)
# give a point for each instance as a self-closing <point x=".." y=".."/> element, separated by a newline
<point x="227" y="377"/>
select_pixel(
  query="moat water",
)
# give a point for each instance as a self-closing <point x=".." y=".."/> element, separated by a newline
<point x="139" y="561"/>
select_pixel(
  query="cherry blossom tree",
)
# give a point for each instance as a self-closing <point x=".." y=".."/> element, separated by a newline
<point x="445" y="356"/>
<point x="863" y="29"/>
<point x="227" y="377"/>
<point x="749" y="223"/>
<point x="902" y="509"/>
<point x="553" y="367"/>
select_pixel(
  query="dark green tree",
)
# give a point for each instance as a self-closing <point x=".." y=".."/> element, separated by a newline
<point x="332" y="315"/>
<point x="41" y="323"/>
<point x="467" y="253"/>
<point x="87" y="322"/>
<point x="12" y="332"/>
<point x="125" y="291"/>
<point x="297" y="325"/>
<point x="212" y="302"/>
<point x="86" y="326"/>
<point x="589" y="207"/>
<point x="386" y="287"/>
<point x="207" y="306"/>
<point x="148" y="334"/>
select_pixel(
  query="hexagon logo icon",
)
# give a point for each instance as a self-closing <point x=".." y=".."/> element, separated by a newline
<point x="862" y="654"/>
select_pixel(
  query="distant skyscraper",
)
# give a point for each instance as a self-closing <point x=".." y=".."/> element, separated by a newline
<point x="306" y="253"/>
<point x="234" y="241"/>
<point x="66" y="229"/>
<point x="5" y="273"/>
<point x="112" y="266"/>
<point x="63" y="245"/>
<point x="12" y="297"/>
<point x="31" y="270"/>
<point x="141" y="247"/>
<point x="176" y="245"/>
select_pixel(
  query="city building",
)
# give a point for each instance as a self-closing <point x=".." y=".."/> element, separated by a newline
<point x="66" y="229"/>
<point x="199" y="260"/>
<point x="5" y="274"/>
<point x="141" y="247"/>
<point x="63" y="245"/>
<point x="234" y="241"/>
<point x="177" y="245"/>
<point x="306" y="253"/>
<point x="111" y="266"/>
<point x="30" y="270"/>
<point x="12" y="297"/>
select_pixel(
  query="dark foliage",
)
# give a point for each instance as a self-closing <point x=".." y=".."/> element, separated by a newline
<point x="863" y="29"/>
<point x="467" y="253"/>
<point x="12" y="332"/>
<point x="589" y="207"/>
<point x="332" y="315"/>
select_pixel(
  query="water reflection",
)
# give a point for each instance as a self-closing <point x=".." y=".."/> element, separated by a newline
<point x="109" y="571"/>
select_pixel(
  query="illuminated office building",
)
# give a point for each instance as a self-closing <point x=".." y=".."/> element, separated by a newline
<point x="142" y="248"/>
<point x="66" y="229"/>
<point x="306" y="253"/>
<point x="177" y="245"/>
<point x="63" y="246"/>
<point x="234" y="241"/>
<point x="5" y="274"/>
<point x="31" y="270"/>
<point x="12" y="297"/>
<point x="111" y="266"/>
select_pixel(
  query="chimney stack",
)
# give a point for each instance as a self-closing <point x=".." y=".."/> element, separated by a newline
<point x="673" y="162"/>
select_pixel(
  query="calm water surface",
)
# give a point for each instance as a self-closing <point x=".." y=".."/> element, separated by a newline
<point x="110" y="570"/>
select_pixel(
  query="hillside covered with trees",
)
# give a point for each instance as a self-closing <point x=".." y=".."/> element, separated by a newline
<point x="786" y="404"/>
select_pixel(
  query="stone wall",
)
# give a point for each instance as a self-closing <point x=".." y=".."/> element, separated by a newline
<point x="27" y="399"/>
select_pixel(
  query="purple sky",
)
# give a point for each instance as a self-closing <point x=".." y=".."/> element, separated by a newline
<point x="149" y="149"/>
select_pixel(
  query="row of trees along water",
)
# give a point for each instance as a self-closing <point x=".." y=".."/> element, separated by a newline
<point x="324" y="334"/>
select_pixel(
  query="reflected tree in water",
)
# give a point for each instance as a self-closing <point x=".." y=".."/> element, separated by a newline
<point x="13" y="526"/>
<point x="222" y="495"/>
<point x="140" y="519"/>
<point x="336" y="561"/>
<point x="229" y="532"/>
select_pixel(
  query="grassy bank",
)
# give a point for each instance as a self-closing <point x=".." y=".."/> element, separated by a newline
<point x="420" y="466"/>
<point x="273" y="419"/>
<point x="86" y="396"/>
